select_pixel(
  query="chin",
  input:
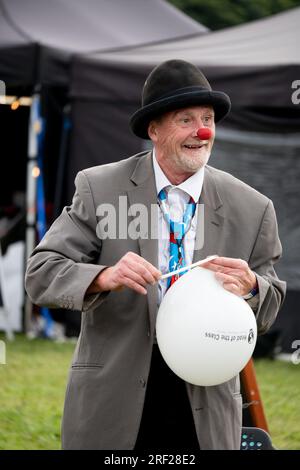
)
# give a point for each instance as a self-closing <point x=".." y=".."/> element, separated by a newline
<point x="192" y="164"/>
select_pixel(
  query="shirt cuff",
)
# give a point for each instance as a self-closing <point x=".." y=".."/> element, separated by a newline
<point x="254" y="302"/>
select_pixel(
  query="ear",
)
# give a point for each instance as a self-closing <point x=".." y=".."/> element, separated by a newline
<point x="153" y="131"/>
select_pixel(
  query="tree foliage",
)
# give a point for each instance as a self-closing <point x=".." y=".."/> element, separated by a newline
<point x="218" y="14"/>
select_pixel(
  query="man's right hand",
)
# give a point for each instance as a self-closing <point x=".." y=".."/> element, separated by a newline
<point x="131" y="271"/>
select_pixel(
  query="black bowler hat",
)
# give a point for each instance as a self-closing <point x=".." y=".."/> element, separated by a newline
<point x="172" y="85"/>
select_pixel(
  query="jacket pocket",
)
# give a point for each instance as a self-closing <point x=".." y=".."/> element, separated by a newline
<point x="77" y="366"/>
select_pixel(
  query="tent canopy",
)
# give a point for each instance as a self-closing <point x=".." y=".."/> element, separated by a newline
<point x="258" y="142"/>
<point x="254" y="63"/>
<point x="39" y="37"/>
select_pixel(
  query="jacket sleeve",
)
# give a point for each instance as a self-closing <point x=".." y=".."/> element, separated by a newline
<point x="266" y="252"/>
<point x="62" y="266"/>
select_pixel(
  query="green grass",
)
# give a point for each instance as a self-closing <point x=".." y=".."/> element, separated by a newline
<point x="32" y="391"/>
<point x="33" y="382"/>
<point x="279" y="385"/>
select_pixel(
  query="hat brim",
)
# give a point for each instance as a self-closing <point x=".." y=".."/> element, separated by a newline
<point x="140" y="120"/>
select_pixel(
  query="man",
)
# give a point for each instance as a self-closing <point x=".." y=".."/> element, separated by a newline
<point x="113" y="279"/>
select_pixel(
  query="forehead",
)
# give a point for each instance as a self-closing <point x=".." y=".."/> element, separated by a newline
<point x="194" y="110"/>
<point x="190" y="110"/>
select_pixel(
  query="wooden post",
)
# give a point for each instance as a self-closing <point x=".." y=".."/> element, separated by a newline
<point x="253" y="397"/>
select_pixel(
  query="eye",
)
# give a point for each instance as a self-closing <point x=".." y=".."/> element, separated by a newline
<point x="207" y="119"/>
<point x="185" y="120"/>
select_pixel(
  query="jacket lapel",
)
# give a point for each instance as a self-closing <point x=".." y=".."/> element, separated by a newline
<point x="210" y="219"/>
<point x="144" y="195"/>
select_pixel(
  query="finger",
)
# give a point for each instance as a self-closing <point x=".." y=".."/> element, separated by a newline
<point x="134" y="286"/>
<point x="231" y="288"/>
<point x="230" y="262"/>
<point x="131" y="262"/>
<point x="142" y="271"/>
<point x="245" y="278"/>
<point x="134" y="276"/>
<point x="237" y="273"/>
<point x="212" y="267"/>
<point x="153" y="270"/>
<point x="226" y="279"/>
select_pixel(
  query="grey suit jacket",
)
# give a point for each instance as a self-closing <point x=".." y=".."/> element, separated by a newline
<point x="109" y="372"/>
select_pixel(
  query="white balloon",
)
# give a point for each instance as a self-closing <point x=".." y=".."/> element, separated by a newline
<point x="205" y="334"/>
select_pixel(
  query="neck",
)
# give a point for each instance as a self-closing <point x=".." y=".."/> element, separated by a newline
<point x="175" y="177"/>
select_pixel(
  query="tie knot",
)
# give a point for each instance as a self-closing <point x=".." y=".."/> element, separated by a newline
<point x="177" y="213"/>
<point x="163" y="193"/>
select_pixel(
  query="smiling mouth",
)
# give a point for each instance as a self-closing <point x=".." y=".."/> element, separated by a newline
<point x="193" y="147"/>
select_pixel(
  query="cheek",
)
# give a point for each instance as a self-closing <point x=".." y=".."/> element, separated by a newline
<point x="177" y="138"/>
<point x="168" y="139"/>
<point x="164" y="140"/>
<point x="171" y="137"/>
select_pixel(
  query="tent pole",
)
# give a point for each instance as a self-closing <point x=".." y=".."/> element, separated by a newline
<point x="36" y="215"/>
<point x="32" y="174"/>
<point x="63" y="153"/>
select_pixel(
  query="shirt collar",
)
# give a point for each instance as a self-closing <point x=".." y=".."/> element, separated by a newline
<point x="192" y="185"/>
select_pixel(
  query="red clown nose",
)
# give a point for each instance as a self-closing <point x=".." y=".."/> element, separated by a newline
<point x="204" y="133"/>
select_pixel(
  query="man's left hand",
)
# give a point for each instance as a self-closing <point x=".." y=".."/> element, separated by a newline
<point x="234" y="274"/>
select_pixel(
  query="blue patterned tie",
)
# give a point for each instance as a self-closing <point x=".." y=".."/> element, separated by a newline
<point x="177" y="233"/>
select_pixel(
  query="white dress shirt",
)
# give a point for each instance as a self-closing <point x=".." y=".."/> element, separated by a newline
<point x="177" y="198"/>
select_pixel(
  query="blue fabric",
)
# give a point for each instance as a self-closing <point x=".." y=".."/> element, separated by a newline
<point x="40" y="197"/>
<point x="177" y="232"/>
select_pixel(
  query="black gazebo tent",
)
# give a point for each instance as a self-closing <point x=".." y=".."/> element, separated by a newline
<point x="38" y="39"/>
<point x="255" y="64"/>
<point x="258" y="65"/>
